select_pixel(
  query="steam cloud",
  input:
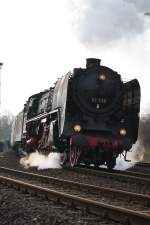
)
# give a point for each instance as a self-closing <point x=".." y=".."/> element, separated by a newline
<point x="41" y="161"/>
<point x="141" y="150"/>
<point x="136" y="154"/>
<point x="103" y="22"/>
<point x="144" y="136"/>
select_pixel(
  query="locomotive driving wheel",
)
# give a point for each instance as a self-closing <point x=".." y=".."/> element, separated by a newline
<point x="74" y="154"/>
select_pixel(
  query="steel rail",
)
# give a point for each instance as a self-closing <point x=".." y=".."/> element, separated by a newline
<point x="133" y="173"/>
<point x="144" y="199"/>
<point x="119" y="214"/>
<point x="128" y="172"/>
<point x="122" y="172"/>
<point x="112" y="174"/>
<point x="142" y="164"/>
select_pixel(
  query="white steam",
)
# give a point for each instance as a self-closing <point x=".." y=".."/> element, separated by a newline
<point x="140" y="5"/>
<point x="41" y="161"/>
<point x="103" y="22"/>
<point x="135" y="155"/>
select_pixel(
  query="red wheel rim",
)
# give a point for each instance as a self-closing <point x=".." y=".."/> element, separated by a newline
<point x="63" y="158"/>
<point x="73" y="155"/>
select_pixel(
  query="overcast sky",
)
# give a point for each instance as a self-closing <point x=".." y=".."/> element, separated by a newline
<point x="41" y="40"/>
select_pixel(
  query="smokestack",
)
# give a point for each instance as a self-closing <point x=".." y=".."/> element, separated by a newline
<point x="92" y="62"/>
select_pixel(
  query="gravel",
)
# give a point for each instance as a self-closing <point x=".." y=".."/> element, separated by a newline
<point x="17" y="208"/>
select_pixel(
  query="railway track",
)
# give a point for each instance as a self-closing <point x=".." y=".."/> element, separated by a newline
<point x="142" y="164"/>
<point x="124" y="180"/>
<point x="129" y="172"/>
<point x="133" y="181"/>
<point x="22" y="207"/>
<point x="143" y="167"/>
<point x="125" y="206"/>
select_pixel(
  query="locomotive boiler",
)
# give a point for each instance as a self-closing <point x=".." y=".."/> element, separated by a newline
<point x="90" y="116"/>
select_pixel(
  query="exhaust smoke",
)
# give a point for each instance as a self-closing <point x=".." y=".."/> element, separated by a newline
<point x="144" y="139"/>
<point x="105" y="22"/>
<point x="36" y="159"/>
<point x="135" y="155"/>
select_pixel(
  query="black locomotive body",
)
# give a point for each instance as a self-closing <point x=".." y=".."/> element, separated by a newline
<point x="90" y="116"/>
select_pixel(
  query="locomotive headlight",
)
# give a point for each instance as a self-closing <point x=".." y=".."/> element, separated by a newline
<point x="77" y="128"/>
<point x="102" y="77"/>
<point x="123" y="132"/>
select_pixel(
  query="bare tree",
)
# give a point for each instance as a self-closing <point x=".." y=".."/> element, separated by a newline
<point x="144" y="136"/>
<point x="5" y="126"/>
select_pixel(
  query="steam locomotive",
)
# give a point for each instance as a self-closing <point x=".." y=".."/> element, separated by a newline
<point x="90" y="116"/>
